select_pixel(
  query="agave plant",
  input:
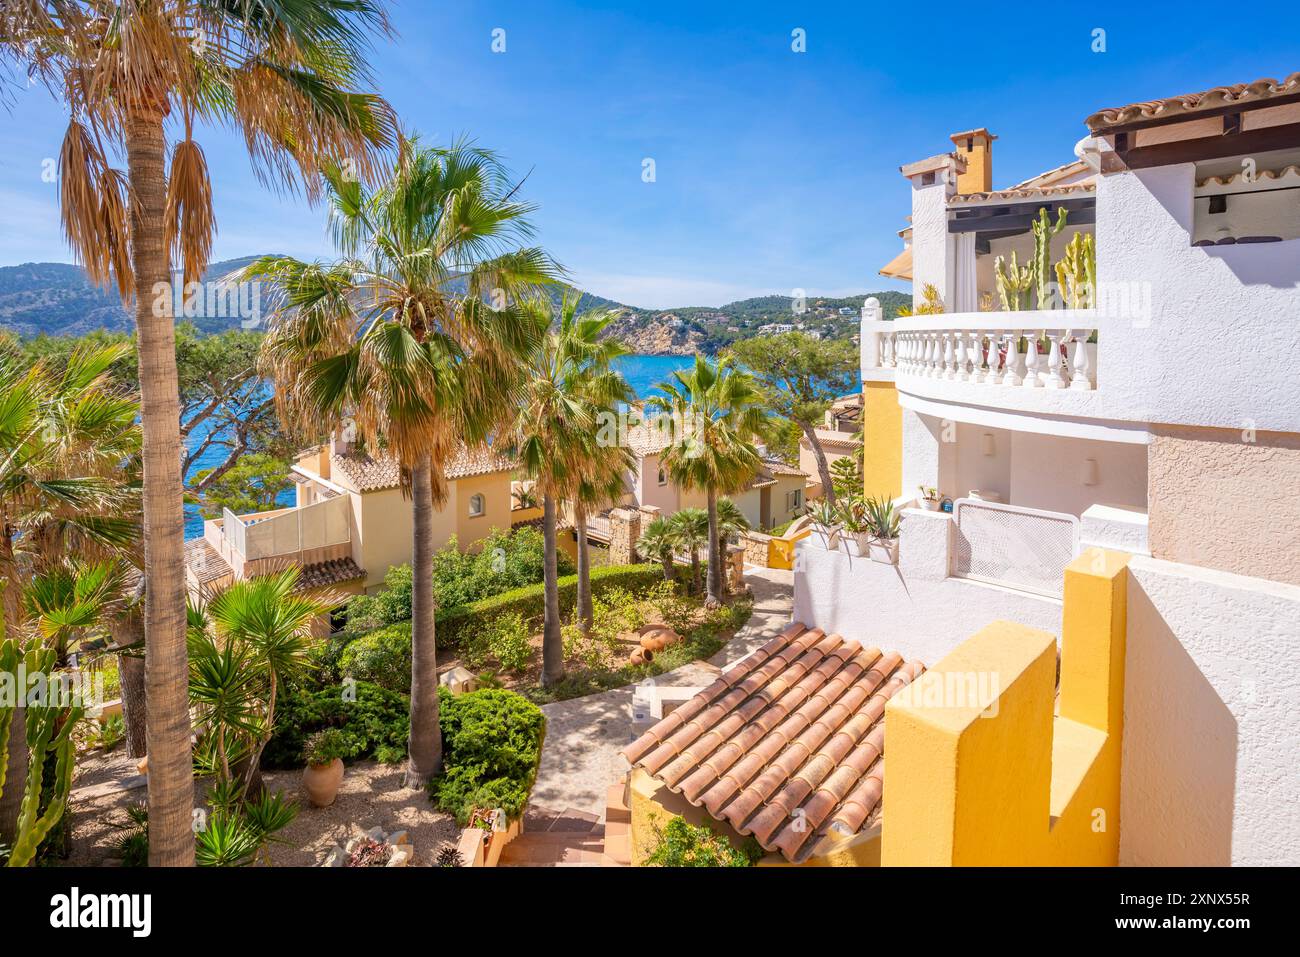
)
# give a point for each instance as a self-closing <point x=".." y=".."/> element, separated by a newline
<point x="825" y="517"/>
<point x="882" y="518"/>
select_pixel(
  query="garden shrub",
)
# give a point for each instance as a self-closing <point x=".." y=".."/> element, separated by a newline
<point x="492" y="743"/>
<point x="680" y="844"/>
<point x="505" y="560"/>
<point x="382" y="657"/>
<point x="378" y="719"/>
<point x="508" y="640"/>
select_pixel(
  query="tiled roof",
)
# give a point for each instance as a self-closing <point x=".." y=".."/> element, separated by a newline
<point x="373" y="473"/>
<point x="645" y="440"/>
<point x="204" y="562"/>
<point x="336" y="571"/>
<point x="777" y="467"/>
<point x="1288" y="174"/>
<point x="787" y="743"/>
<point x="1191" y="103"/>
<point x="1025" y="193"/>
<point x="1053" y="176"/>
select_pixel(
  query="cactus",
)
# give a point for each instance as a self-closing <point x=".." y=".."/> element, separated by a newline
<point x="1013" y="282"/>
<point x="49" y="733"/>
<point x="1077" y="272"/>
<point x="1041" y="264"/>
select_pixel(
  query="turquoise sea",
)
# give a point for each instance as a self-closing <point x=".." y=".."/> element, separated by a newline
<point x="643" y="374"/>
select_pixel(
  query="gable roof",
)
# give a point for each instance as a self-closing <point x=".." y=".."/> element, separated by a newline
<point x="787" y="744"/>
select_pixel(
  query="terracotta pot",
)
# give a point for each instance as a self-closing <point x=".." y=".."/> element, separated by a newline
<point x="641" y="656"/>
<point x="321" y="782"/>
<point x="658" y="639"/>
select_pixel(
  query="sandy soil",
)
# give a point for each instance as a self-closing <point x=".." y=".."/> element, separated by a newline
<point x="371" y="794"/>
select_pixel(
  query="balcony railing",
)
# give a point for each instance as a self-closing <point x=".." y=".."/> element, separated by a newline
<point x="288" y="531"/>
<point x="1022" y="548"/>
<point x="1032" y="349"/>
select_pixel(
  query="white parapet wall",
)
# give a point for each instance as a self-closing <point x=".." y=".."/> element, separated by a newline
<point x="913" y="607"/>
<point x="1119" y="527"/>
<point x="1211" y="726"/>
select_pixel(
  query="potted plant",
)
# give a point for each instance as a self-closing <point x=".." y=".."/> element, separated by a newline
<point x="324" y="752"/>
<point x="825" y="521"/>
<point x="883" y="521"/>
<point x="856" y="526"/>
<point x="929" y="497"/>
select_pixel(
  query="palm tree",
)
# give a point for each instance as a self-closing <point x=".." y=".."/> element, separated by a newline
<point x="731" y="521"/>
<point x="411" y="339"/>
<point x="602" y="481"/>
<point x="570" y="382"/>
<point x="66" y="440"/>
<point x="720" y="411"/>
<point x="690" y="531"/>
<point x="280" y="74"/>
<point x="657" y="541"/>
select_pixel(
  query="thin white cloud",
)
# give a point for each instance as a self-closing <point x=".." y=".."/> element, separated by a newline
<point x="669" y="292"/>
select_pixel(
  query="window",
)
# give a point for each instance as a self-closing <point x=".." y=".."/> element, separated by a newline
<point x="663" y="476"/>
<point x="338" y="618"/>
<point x="476" y="506"/>
<point x="794" y="500"/>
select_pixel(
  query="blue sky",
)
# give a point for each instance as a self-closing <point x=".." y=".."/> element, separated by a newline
<point x="775" y="170"/>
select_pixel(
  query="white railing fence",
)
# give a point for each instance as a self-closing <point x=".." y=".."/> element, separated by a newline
<point x="1020" y="548"/>
<point x="1049" y="349"/>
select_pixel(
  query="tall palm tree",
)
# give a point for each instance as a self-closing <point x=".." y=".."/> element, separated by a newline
<point x="720" y="412"/>
<point x="602" y="481"/>
<point x="66" y="440"/>
<point x="657" y="542"/>
<point x="570" y="382"/>
<point x="281" y="74"/>
<point x="689" y="528"/>
<point x="731" y="521"/>
<point x="413" y="340"/>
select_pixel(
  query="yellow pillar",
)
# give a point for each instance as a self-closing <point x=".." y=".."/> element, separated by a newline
<point x="979" y="771"/>
<point x="882" y="440"/>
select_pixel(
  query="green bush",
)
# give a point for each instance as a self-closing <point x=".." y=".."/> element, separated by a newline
<point x="377" y="719"/>
<point x="508" y="640"/>
<point x="504" y="561"/>
<point x="456" y="624"/>
<point x="382" y="657"/>
<point x="492" y="742"/>
<point x="682" y="845"/>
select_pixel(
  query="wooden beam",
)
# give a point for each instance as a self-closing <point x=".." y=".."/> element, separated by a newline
<point x="1017" y="218"/>
<point x="1211" y="147"/>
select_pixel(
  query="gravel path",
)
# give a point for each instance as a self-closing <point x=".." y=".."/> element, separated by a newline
<point x="584" y="735"/>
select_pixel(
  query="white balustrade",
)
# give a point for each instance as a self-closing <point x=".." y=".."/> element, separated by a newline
<point x="986" y="349"/>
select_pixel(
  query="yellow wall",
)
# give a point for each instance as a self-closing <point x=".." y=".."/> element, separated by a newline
<point x="495" y="489"/>
<point x="1003" y="781"/>
<point x="882" y="440"/>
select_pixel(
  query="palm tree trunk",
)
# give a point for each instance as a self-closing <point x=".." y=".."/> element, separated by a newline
<point x="823" y="468"/>
<point x="171" y="770"/>
<point x="426" y="736"/>
<point x="713" y="599"/>
<point x="666" y="560"/>
<point x="11" y="798"/>
<point x="586" y="614"/>
<point x="127" y="631"/>
<point x="552" y="642"/>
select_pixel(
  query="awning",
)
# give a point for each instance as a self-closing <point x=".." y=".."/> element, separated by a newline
<point x="900" y="267"/>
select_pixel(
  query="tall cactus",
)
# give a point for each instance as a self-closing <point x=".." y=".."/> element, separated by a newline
<point x="1076" y="273"/>
<point x="49" y="733"/>
<point x="1041" y="264"/>
<point x="1014" y="281"/>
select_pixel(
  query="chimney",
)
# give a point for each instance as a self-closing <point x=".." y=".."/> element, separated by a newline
<point x="976" y="148"/>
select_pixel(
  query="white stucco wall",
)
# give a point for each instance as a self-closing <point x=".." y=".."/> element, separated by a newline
<point x="1211" y="728"/>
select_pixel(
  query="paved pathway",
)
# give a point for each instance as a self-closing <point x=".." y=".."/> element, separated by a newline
<point x="584" y="735"/>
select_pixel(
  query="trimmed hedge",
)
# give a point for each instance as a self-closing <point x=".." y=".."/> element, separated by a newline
<point x="492" y="744"/>
<point x="529" y="601"/>
<point x="382" y="656"/>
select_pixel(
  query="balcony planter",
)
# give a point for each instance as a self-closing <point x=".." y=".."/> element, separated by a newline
<point x="858" y="543"/>
<point x="883" y="550"/>
<point x="828" y="535"/>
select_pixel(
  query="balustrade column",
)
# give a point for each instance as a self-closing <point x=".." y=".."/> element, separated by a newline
<point x="959" y="353"/>
<point x="977" y="367"/>
<point x="1055" y="366"/>
<point x="1031" y="362"/>
<point x="1083" y="371"/>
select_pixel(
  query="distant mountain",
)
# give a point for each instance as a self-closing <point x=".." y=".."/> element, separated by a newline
<point x="58" y="299"/>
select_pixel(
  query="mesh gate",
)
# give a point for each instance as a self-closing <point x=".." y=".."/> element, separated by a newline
<point x="1021" y="548"/>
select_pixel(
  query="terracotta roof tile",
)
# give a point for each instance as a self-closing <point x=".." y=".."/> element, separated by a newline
<point x="204" y="562"/>
<point x="786" y="743"/>
<point x="375" y="473"/>
<point x="1025" y="193"/>
<point x="1190" y="103"/>
<point x="333" y="572"/>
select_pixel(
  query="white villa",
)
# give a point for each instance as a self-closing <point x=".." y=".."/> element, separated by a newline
<point x="1150" y="407"/>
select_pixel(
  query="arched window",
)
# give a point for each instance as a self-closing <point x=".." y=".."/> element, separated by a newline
<point x="663" y="476"/>
<point x="476" y="506"/>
